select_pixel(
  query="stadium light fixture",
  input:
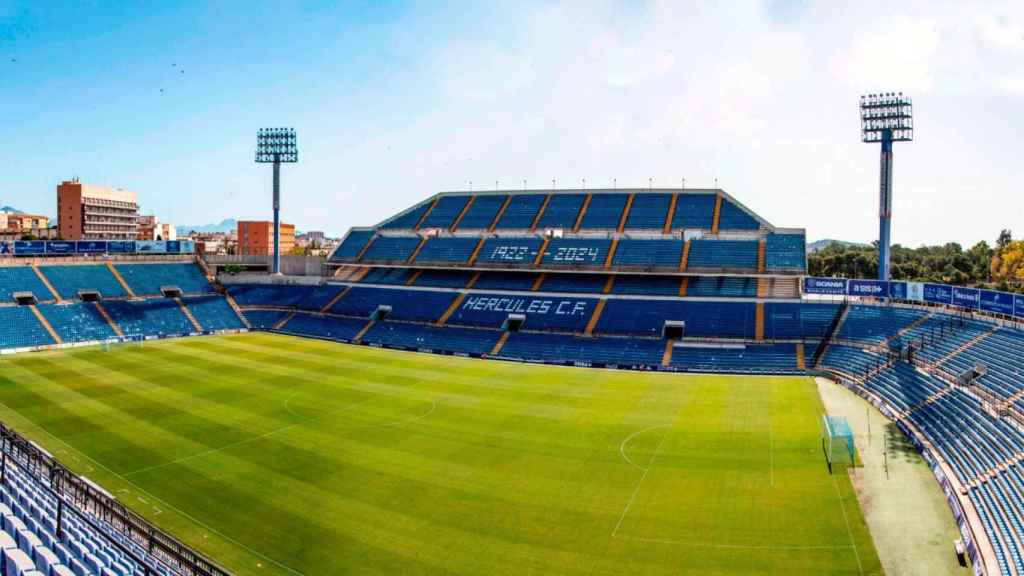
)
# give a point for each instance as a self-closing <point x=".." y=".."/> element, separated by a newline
<point x="886" y="118"/>
<point x="274" y="146"/>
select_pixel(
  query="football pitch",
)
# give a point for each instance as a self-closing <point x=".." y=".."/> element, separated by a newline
<point x="281" y="455"/>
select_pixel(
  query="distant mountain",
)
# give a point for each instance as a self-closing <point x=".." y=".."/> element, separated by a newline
<point x="226" y="225"/>
<point x="11" y="210"/>
<point x="819" y="245"/>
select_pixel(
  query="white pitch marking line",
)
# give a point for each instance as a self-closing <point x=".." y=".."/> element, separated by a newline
<point x="622" y="447"/>
<point x="736" y="546"/>
<point x="636" y="490"/>
<point x="853" y="544"/>
<point x="771" y="453"/>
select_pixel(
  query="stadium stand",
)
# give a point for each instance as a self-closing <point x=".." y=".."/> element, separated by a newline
<point x="77" y="322"/>
<point x="519" y="281"/>
<point x="265" y="319"/>
<point x="510" y="251"/>
<point x="562" y="211"/>
<point x="648" y="254"/>
<point x="426" y="337"/>
<point x="418" y="306"/>
<point x="483" y="211"/>
<point x="148" y="279"/>
<point x="21" y="279"/>
<point x="446" y="250"/>
<point x="407" y="219"/>
<point x="328" y="327"/>
<point x="521" y="212"/>
<point x="443" y="278"/>
<point x="786" y="253"/>
<point x="540" y="312"/>
<point x="735" y="218"/>
<point x="159" y="317"/>
<point x="723" y="254"/>
<point x="721" y="287"/>
<point x="703" y="319"/>
<point x="604" y="211"/>
<point x="648" y="212"/>
<point x="694" y="211"/>
<point x="576" y="252"/>
<point x="743" y="359"/>
<point x="69" y="280"/>
<point x="445" y="212"/>
<point x="396" y="276"/>
<point x="646" y="285"/>
<point x="19" y="328"/>
<point x="563" y="349"/>
<point x="574" y="283"/>
<point x="213" y="313"/>
<point x="391" y="249"/>
<point x="352" y="245"/>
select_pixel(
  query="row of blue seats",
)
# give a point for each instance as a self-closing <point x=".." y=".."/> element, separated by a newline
<point x="767" y="358"/>
<point x="144" y="280"/>
<point x="649" y="211"/>
<point x="875" y="324"/>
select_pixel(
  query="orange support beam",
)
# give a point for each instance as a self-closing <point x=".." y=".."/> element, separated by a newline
<point x="46" y="282"/>
<point x="359" y="336"/>
<point x="120" y="280"/>
<point x="106" y="316"/>
<point x="611" y="254"/>
<point x="625" y="212"/>
<point x="476" y="251"/>
<point x="686" y="257"/>
<point x="427" y="213"/>
<point x="234" y="306"/>
<point x="671" y="214"/>
<point x="416" y="252"/>
<point x="683" y="285"/>
<point x="412" y="279"/>
<point x="451" y="309"/>
<point x="609" y="283"/>
<point x="339" y="296"/>
<point x="499" y="344"/>
<point x="284" y="320"/>
<point x="46" y="324"/>
<point x="359" y="274"/>
<point x="762" y="247"/>
<point x="473" y="280"/>
<point x="718" y="214"/>
<point x="188" y="314"/>
<point x="538" y="282"/>
<point x="595" y="317"/>
<point x="362" y="252"/>
<point x="540" y="253"/>
<point x="458" y="220"/>
<point x="762" y="287"/>
<point x="801" y="361"/>
<point x="540" y="213"/>
<point x="583" y="212"/>
<point x="759" y="322"/>
<point x="666" y="358"/>
<point x="501" y="212"/>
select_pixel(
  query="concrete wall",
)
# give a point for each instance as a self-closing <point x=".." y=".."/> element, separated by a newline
<point x="290" y="265"/>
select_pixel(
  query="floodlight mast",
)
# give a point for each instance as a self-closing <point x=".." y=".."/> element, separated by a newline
<point x="274" y="146"/>
<point x="886" y="118"/>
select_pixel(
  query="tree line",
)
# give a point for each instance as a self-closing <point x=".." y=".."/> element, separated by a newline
<point x="1000" y="267"/>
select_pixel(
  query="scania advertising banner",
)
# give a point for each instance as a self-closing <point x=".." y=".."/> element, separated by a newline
<point x="938" y="293"/>
<point x="998" y="302"/>
<point x="833" y="286"/>
<point x="965" y="297"/>
<point x="873" y="288"/>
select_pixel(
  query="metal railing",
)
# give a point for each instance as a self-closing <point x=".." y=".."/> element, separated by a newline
<point x="103" y="512"/>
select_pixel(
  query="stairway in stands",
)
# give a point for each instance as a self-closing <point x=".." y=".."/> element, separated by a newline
<point x="837" y="322"/>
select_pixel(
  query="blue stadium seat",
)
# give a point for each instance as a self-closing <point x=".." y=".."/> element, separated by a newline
<point x="520" y="281"/>
<point x="732" y="217"/>
<point x="213" y="312"/>
<point x="723" y="254"/>
<point x="648" y="211"/>
<point x="787" y="321"/>
<point x="785" y="253"/>
<point x="408" y="219"/>
<point x="157" y="317"/>
<point x="447" y="250"/>
<point x="876" y="323"/>
<point x="703" y="319"/>
<point x="21" y="279"/>
<point x="147" y="279"/>
<point x="647" y="285"/>
<point x="741" y="359"/>
<point x="604" y="211"/>
<point x="649" y="253"/>
<point x="521" y="212"/>
<point x="69" y="280"/>
<point x="78" y="322"/>
<point x="395" y="276"/>
<point x="411" y="305"/>
<point x="19" y="328"/>
<point x="331" y="328"/>
<point x="562" y="211"/>
<point x="576" y="252"/>
<point x="391" y="249"/>
<point x="444" y="278"/>
<point x="510" y="251"/>
<point x="352" y="245"/>
<point x="482" y="212"/>
<point x="560" y="349"/>
<point x="694" y="211"/>
<point x="434" y="338"/>
<point x="721" y="287"/>
<point x="575" y="283"/>
<point x="445" y="212"/>
<point x="264" y="319"/>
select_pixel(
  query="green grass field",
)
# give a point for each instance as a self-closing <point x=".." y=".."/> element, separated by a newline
<point x="279" y="455"/>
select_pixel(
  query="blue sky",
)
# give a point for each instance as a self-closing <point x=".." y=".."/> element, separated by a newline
<point x="393" y="101"/>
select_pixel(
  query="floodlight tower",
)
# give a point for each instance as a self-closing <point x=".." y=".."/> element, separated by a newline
<point x="276" y="145"/>
<point x="886" y="118"/>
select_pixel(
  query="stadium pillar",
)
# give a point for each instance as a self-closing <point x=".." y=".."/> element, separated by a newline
<point x="277" y="215"/>
<point x="885" y="206"/>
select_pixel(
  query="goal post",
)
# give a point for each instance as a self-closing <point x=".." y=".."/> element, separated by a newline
<point x="837" y="442"/>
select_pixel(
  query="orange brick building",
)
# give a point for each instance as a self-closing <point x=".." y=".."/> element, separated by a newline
<point x="256" y="237"/>
<point x="87" y="212"/>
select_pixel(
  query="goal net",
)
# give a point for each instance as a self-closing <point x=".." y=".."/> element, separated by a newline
<point x="837" y="442"/>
